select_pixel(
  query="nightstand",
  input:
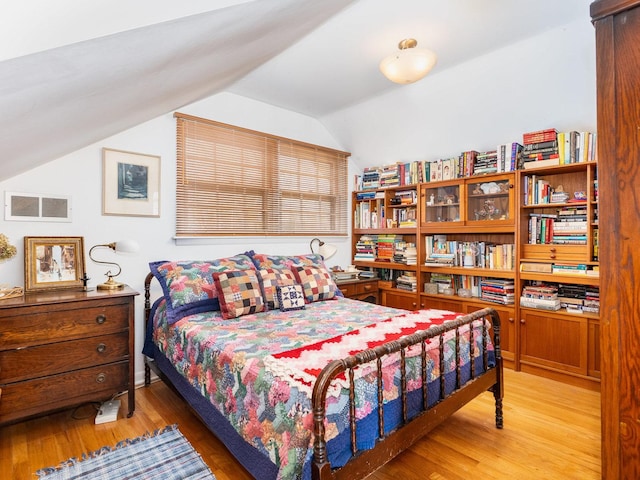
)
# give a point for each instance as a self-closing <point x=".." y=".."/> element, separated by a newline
<point x="365" y="289"/>
<point x="63" y="348"/>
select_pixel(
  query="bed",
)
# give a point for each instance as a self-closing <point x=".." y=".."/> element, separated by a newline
<point x="301" y="383"/>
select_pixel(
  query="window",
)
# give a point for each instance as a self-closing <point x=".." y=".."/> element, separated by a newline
<point x="234" y="181"/>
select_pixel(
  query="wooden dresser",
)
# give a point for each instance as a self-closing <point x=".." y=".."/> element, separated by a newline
<point x="64" y="348"/>
<point x="364" y="289"/>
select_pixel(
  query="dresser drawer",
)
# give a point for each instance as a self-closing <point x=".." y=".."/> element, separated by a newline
<point x="37" y="326"/>
<point x="23" y="399"/>
<point x="53" y="358"/>
<point x="577" y="253"/>
<point x="350" y="290"/>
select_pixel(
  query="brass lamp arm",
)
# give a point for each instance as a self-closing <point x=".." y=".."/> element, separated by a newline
<point x="102" y="262"/>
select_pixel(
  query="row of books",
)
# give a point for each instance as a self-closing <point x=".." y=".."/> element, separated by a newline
<point x="567" y="227"/>
<point x="495" y="290"/>
<point x="439" y="251"/>
<point x="549" y="296"/>
<point x="538" y="148"/>
<point x="560" y="268"/>
<point x="385" y="248"/>
<point x="407" y="281"/>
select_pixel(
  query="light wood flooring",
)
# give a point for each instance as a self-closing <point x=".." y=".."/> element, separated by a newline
<point x="551" y="431"/>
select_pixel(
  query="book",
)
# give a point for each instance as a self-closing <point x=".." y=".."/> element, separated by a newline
<point x="536" y="267"/>
<point x="549" y="162"/>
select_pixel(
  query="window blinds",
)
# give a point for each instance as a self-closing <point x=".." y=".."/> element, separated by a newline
<point x="234" y="181"/>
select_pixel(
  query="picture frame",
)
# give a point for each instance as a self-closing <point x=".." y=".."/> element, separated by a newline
<point x="53" y="263"/>
<point x="130" y="183"/>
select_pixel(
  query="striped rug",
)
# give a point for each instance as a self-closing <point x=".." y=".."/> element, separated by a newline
<point x="162" y="455"/>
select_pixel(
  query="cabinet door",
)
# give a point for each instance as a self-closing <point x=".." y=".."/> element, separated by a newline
<point x="554" y="341"/>
<point x="507" y="328"/>
<point x="441" y="304"/>
<point x="442" y="205"/>
<point x="399" y="300"/>
<point x="491" y="201"/>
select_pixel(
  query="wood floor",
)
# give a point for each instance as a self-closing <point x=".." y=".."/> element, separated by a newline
<point x="552" y="431"/>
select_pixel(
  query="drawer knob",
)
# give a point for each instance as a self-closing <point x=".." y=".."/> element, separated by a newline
<point x="101" y="378"/>
<point x="367" y="287"/>
<point x="101" y="348"/>
<point x="100" y="319"/>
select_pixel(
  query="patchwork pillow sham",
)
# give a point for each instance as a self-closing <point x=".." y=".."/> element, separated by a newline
<point x="287" y="262"/>
<point x="290" y="297"/>
<point x="316" y="282"/>
<point x="270" y="279"/>
<point x="238" y="292"/>
<point x="188" y="285"/>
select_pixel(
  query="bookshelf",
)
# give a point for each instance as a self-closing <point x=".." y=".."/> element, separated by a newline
<point x="558" y="279"/>
<point x="481" y="240"/>
<point x="385" y="222"/>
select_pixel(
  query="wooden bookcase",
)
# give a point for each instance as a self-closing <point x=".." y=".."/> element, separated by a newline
<point x="559" y="342"/>
<point x="489" y="213"/>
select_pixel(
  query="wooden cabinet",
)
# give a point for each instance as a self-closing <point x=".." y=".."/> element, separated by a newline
<point x="60" y="349"/>
<point x="362" y="289"/>
<point x="557" y="251"/>
<point x="617" y="27"/>
<point x="397" y="299"/>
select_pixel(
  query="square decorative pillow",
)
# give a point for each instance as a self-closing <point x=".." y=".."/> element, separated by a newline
<point x="271" y="278"/>
<point x="239" y="293"/>
<point x="188" y="284"/>
<point x="316" y="282"/>
<point x="290" y="297"/>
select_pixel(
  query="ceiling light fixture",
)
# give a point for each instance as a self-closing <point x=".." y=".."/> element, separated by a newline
<point x="408" y="65"/>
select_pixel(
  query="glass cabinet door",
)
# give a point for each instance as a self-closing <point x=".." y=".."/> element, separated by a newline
<point x="442" y="203"/>
<point x="490" y="200"/>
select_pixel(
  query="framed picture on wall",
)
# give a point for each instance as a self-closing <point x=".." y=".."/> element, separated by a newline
<point x="52" y="263"/>
<point x="130" y="183"/>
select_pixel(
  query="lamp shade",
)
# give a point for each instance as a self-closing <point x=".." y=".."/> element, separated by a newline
<point x="127" y="246"/>
<point x="409" y="64"/>
<point x="327" y="250"/>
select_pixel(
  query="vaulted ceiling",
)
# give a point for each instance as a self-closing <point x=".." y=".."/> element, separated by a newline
<point x="73" y="72"/>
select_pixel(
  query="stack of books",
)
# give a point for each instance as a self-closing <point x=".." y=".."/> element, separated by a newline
<point x="486" y="162"/>
<point x="370" y="178"/>
<point x="365" y="249"/>
<point x="407" y="281"/>
<point x="498" y="290"/>
<point x="540" y="149"/>
<point x="443" y="280"/>
<point x="543" y="296"/>
<point x="579" y="298"/>
<point x="570" y="226"/>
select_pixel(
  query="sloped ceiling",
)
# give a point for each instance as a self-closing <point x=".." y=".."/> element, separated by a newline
<point x="74" y="72"/>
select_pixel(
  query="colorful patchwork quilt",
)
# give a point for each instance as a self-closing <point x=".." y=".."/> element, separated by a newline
<point x="258" y="371"/>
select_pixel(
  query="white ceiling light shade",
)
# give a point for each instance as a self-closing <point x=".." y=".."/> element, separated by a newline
<point x="408" y="65"/>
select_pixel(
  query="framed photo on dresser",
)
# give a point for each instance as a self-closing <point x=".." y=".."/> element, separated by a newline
<point x="52" y="263"/>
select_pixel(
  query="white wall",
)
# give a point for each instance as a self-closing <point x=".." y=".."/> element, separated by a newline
<point x="80" y="176"/>
<point x="542" y="82"/>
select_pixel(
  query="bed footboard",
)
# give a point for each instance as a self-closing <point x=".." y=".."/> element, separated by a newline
<point x="388" y="445"/>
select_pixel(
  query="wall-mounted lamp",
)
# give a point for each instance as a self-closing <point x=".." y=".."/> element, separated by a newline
<point x="324" y="249"/>
<point x="122" y="246"/>
<point x="408" y="65"/>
